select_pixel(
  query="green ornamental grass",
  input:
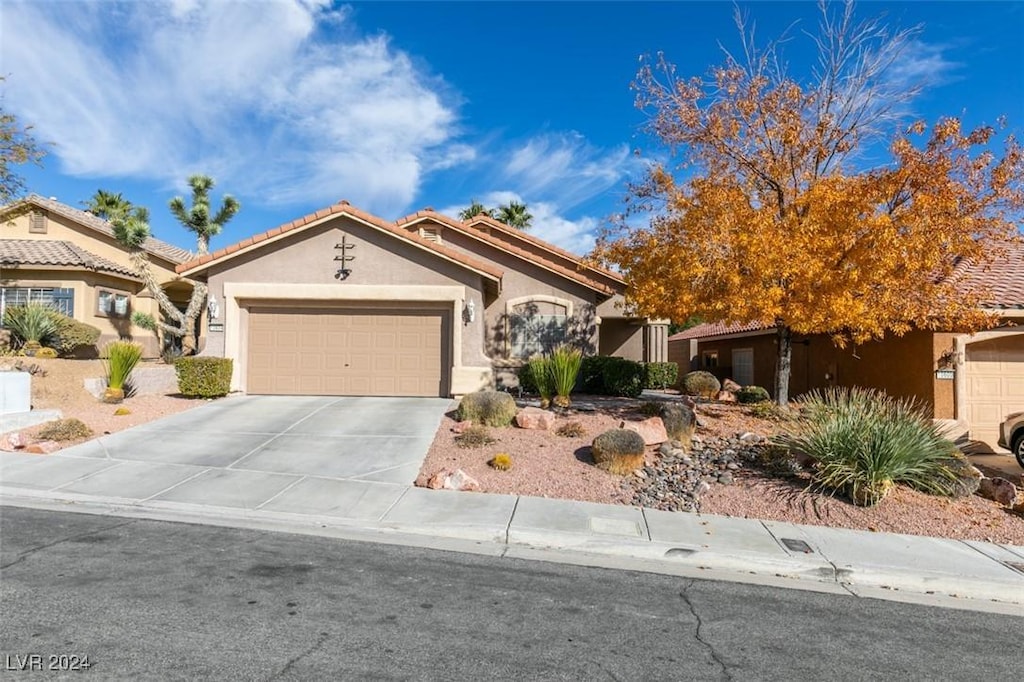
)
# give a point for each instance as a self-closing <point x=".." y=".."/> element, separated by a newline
<point x="864" y="442"/>
<point x="563" y="366"/>
<point x="540" y="370"/>
<point x="119" y="359"/>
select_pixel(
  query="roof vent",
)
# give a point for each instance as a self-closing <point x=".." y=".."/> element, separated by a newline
<point x="431" y="234"/>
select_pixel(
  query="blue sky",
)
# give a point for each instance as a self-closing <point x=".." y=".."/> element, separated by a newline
<point x="293" y="105"/>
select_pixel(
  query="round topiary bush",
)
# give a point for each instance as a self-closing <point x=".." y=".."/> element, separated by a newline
<point x="490" y="408"/>
<point x="619" y="451"/>
<point x="679" y="421"/>
<point x="704" y="384"/>
<point x="752" y="394"/>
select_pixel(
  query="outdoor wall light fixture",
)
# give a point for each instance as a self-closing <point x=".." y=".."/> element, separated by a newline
<point x="212" y="307"/>
<point x="469" y="314"/>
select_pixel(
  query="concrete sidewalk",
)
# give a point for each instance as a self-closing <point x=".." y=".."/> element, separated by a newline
<point x="911" y="568"/>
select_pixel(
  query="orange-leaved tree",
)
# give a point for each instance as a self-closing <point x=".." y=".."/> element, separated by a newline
<point x="771" y="211"/>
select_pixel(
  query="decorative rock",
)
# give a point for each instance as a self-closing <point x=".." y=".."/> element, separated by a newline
<point x="666" y="450"/>
<point x="452" y="480"/>
<point x="461" y="427"/>
<point x="535" y="418"/>
<point x="42" y="447"/>
<point x="11" y="441"/>
<point x="749" y="437"/>
<point x="652" y="430"/>
<point x="725" y="479"/>
<point x="730" y="386"/>
<point x="998" y="490"/>
<point x="619" y="451"/>
<point x="726" y="397"/>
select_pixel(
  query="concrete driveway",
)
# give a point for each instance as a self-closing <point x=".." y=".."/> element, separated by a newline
<point x="247" y="451"/>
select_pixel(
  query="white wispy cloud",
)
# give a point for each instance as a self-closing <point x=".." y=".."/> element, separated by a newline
<point x="257" y="94"/>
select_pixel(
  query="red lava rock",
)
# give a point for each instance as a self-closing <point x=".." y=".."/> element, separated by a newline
<point x="652" y="430"/>
<point x="535" y="418"/>
<point x="730" y="386"/>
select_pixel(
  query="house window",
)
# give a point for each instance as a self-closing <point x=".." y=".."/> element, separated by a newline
<point x="537" y="325"/>
<point x="112" y="303"/>
<point x="37" y="222"/>
<point x="709" y="359"/>
<point x="61" y="299"/>
<point x="743" y="366"/>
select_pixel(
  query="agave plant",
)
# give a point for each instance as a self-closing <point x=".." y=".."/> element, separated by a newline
<point x="119" y="359"/>
<point x="34" y="324"/>
<point x="863" y="443"/>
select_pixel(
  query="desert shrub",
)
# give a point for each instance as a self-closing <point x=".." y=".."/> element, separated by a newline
<point x="203" y="377"/>
<point x="563" y="368"/>
<point x="526" y="382"/>
<point x="119" y="359"/>
<point x="490" y="408"/>
<point x="73" y="335"/>
<point x="143" y="320"/>
<point x="769" y="411"/>
<point x="540" y="372"/>
<point x="170" y="355"/>
<point x="863" y="442"/>
<point x="46" y="353"/>
<point x="65" y="429"/>
<point x="619" y="451"/>
<point x="651" y="408"/>
<point x="501" y="461"/>
<point x="32" y="324"/>
<point x="570" y="430"/>
<point x="679" y="421"/>
<point x="623" y="377"/>
<point x="660" y="375"/>
<point x="752" y="394"/>
<point x="475" y="436"/>
<point x="701" y="383"/>
<point x="591" y="376"/>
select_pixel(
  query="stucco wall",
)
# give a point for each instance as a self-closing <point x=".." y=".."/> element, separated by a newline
<point x="622" y="337"/>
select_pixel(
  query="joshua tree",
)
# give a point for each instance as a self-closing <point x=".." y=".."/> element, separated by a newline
<point x="197" y="220"/>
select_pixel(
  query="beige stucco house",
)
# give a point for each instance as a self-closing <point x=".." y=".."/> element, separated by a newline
<point x="57" y="254"/>
<point x="342" y="302"/>
<point x="974" y="380"/>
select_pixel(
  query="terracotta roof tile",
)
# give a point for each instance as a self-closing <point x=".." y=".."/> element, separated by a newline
<point x="1002" y="280"/>
<point x="709" y="329"/>
<point x="345" y="208"/>
<point x="44" y="252"/>
<point x="576" y="275"/>
<point x="153" y="246"/>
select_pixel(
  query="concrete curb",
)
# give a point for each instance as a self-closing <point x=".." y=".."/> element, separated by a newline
<point x="983" y="580"/>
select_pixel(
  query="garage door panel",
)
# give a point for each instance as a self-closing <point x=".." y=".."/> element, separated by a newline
<point x="994" y="371"/>
<point x="346" y="352"/>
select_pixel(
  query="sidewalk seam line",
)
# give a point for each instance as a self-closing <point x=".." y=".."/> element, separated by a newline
<point x="281" y="433"/>
<point x="282" y="491"/>
<point x="181" y="482"/>
<point x="393" y="504"/>
<point x="83" y="477"/>
<point x="508" y="526"/>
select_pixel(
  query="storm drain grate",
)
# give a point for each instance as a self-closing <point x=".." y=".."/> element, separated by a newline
<point x="1015" y="565"/>
<point x="796" y="545"/>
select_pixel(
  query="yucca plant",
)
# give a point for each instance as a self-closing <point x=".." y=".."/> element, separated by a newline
<point x="563" y="366"/>
<point x="540" y="370"/>
<point x="863" y="443"/>
<point x="119" y="359"/>
<point x="33" y="324"/>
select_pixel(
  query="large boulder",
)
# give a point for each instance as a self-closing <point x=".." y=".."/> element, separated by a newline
<point x="651" y="430"/>
<point x="679" y="421"/>
<point x="445" y="479"/>
<point x="731" y="386"/>
<point x="535" y="418"/>
<point x="998" y="490"/>
<point x="619" y="451"/>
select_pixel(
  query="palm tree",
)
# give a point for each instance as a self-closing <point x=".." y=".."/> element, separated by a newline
<point x="107" y="205"/>
<point x="475" y="209"/>
<point x="197" y="220"/>
<point x="514" y="214"/>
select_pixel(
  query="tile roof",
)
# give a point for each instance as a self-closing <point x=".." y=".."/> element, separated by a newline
<point x="57" y="253"/>
<point x="709" y="329"/>
<point x="345" y="208"/>
<point x="152" y="245"/>
<point x="579" y="276"/>
<point x="536" y="241"/>
<point x="1002" y="281"/>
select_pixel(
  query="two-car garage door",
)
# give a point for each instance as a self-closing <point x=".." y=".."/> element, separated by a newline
<point x="373" y="351"/>
<point x="995" y="384"/>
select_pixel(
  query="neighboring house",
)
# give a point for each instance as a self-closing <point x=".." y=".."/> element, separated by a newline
<point x="56" y="254"/>
<point x="342" y="302"/>
<point x="976" y="380"/>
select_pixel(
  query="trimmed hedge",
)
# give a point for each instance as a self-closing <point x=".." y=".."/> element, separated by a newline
<point x="73" y="335"/>
<point x="660" y="375"/>
<point x="623" y="378"/>
<point x="490" y="408"/>
<point x="591" y="377"/>
<point x="203" y="377"/>
<point x="527" y="384"/>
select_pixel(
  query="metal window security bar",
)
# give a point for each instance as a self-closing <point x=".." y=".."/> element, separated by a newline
<point x="60" y="298"/>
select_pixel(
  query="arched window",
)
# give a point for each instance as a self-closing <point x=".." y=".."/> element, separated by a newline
<point x="537" y="324"/>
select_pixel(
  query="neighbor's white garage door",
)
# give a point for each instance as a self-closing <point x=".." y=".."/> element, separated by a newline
<point x="994" y="372"/>
<point x="378" y="352"/>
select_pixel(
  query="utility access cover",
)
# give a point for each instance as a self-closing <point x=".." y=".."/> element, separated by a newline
<point x="794" y="545"/>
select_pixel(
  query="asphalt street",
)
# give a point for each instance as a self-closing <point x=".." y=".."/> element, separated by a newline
<point x="154" y="600"/>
